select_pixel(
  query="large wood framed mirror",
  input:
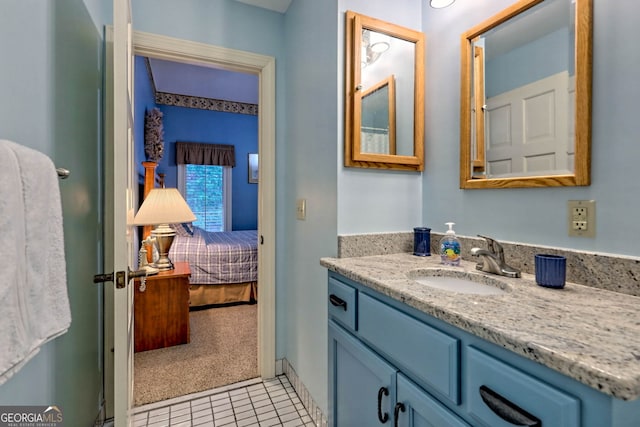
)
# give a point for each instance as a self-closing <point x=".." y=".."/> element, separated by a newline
<point x="384" y="95"/>
<point x="525" y="108"/>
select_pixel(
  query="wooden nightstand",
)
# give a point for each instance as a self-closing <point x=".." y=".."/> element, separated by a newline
<point x="161" y="312"/>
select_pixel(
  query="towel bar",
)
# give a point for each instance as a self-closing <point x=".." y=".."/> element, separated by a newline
<point x="63" y="173"/>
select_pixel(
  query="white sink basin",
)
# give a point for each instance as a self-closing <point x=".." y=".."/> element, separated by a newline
<point x="459" y="281"/>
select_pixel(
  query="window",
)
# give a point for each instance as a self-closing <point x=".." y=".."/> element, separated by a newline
<point x="207" y="190"/>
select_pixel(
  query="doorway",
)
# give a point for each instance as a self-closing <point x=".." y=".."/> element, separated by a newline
<point x="201" y="108"/>
<point x="177" y="50"/>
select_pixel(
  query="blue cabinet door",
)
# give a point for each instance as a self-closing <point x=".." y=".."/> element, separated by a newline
<point x="361" y="384"/>
<point x="427" y="355"/>
<point x="416" y="408"/>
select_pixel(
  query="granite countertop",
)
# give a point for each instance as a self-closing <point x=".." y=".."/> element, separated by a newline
<point x="589" y="334"/>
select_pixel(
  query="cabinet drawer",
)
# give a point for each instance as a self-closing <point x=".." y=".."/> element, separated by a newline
<point x="522" y="392"/>
<point x="423" y="352"/>
<point x="342" y="303"/>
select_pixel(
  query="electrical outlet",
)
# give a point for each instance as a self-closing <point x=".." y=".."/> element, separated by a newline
<point x="579" y="225"/>
<point x="579" y="213"/>
<point x="582" y="218"/>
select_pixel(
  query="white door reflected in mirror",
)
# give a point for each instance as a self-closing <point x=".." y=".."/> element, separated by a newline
<point x="526" y="96"/>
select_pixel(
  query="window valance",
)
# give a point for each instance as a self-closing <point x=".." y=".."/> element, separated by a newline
<point x="194" y="153"/>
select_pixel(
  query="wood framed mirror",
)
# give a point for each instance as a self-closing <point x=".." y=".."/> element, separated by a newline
<point x="525" y="107"/>
<point x="384" y="95"/>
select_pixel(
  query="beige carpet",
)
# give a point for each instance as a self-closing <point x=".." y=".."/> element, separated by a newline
<point x="223" y="350"/>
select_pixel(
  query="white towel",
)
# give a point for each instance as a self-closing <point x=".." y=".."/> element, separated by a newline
<point x="32" y="243"/>
<point x="14" y="326"/>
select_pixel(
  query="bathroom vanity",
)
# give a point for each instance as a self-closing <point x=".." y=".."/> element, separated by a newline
<point x="407" y="354"/>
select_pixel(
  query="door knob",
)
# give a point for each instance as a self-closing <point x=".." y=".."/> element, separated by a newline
<point x="120" y="277"/>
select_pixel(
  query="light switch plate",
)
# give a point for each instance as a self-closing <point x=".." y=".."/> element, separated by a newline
<point x="301" y="209"/>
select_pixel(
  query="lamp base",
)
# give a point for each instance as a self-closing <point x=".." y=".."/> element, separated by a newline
<point x="164" y="238"/>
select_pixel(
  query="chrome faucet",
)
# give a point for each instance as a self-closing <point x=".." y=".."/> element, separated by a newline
<point x="492" y="259"/>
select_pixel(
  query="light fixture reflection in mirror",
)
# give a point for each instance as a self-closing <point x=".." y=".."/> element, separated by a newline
<point x="526" y="97"/>
<point x="439" y="4"/>
<point x="373" y="46"/>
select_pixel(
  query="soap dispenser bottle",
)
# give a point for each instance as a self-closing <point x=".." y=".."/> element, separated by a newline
<point x="450" y="247"/>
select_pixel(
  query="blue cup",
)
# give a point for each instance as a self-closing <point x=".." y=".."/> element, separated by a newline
<point x="422" y="241"/>
<point x="551" y="270"/>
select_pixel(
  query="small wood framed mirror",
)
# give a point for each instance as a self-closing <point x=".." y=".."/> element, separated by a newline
<point x="384" y="95"/>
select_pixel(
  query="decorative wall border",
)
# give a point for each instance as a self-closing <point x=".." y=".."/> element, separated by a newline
<point x="310" y="405"/>
<point x="210" y="104"/>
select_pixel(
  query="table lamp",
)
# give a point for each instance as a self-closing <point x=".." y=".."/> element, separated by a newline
<point x="161" y="207"/>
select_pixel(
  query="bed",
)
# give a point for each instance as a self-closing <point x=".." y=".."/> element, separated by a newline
<point x="224" y="265"/>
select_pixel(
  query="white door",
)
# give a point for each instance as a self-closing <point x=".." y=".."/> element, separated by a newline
<point x="119" y="203"/>
<point x="526" y="135"/>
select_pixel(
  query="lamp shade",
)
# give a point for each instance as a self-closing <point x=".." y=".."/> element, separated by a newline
<point x="163" y="206"/>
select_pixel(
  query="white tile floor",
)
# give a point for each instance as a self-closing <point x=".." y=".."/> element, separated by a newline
<point x="254" y="404"/>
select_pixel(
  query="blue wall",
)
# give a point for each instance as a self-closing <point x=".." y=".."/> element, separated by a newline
<point x="194" y="125"/>
<point x="374" y="200"/>
<point x="538" y="215"/>
<point x="310" y="168"/>
<point x="240" y="130"/>
<point x="144" y="101"/>
<point x="526" y="64"/>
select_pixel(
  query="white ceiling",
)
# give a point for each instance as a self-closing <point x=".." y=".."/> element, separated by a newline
<point x="205" y="82"/>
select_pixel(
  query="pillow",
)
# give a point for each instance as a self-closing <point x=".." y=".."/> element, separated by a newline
<point x="183" y="229"/>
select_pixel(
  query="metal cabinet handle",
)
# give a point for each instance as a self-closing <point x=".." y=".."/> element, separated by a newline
<point x="338" y="302"/>
<point x="383" y="418"/>
<point x="507" y="410"/>
<point x="396" y="413"/>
